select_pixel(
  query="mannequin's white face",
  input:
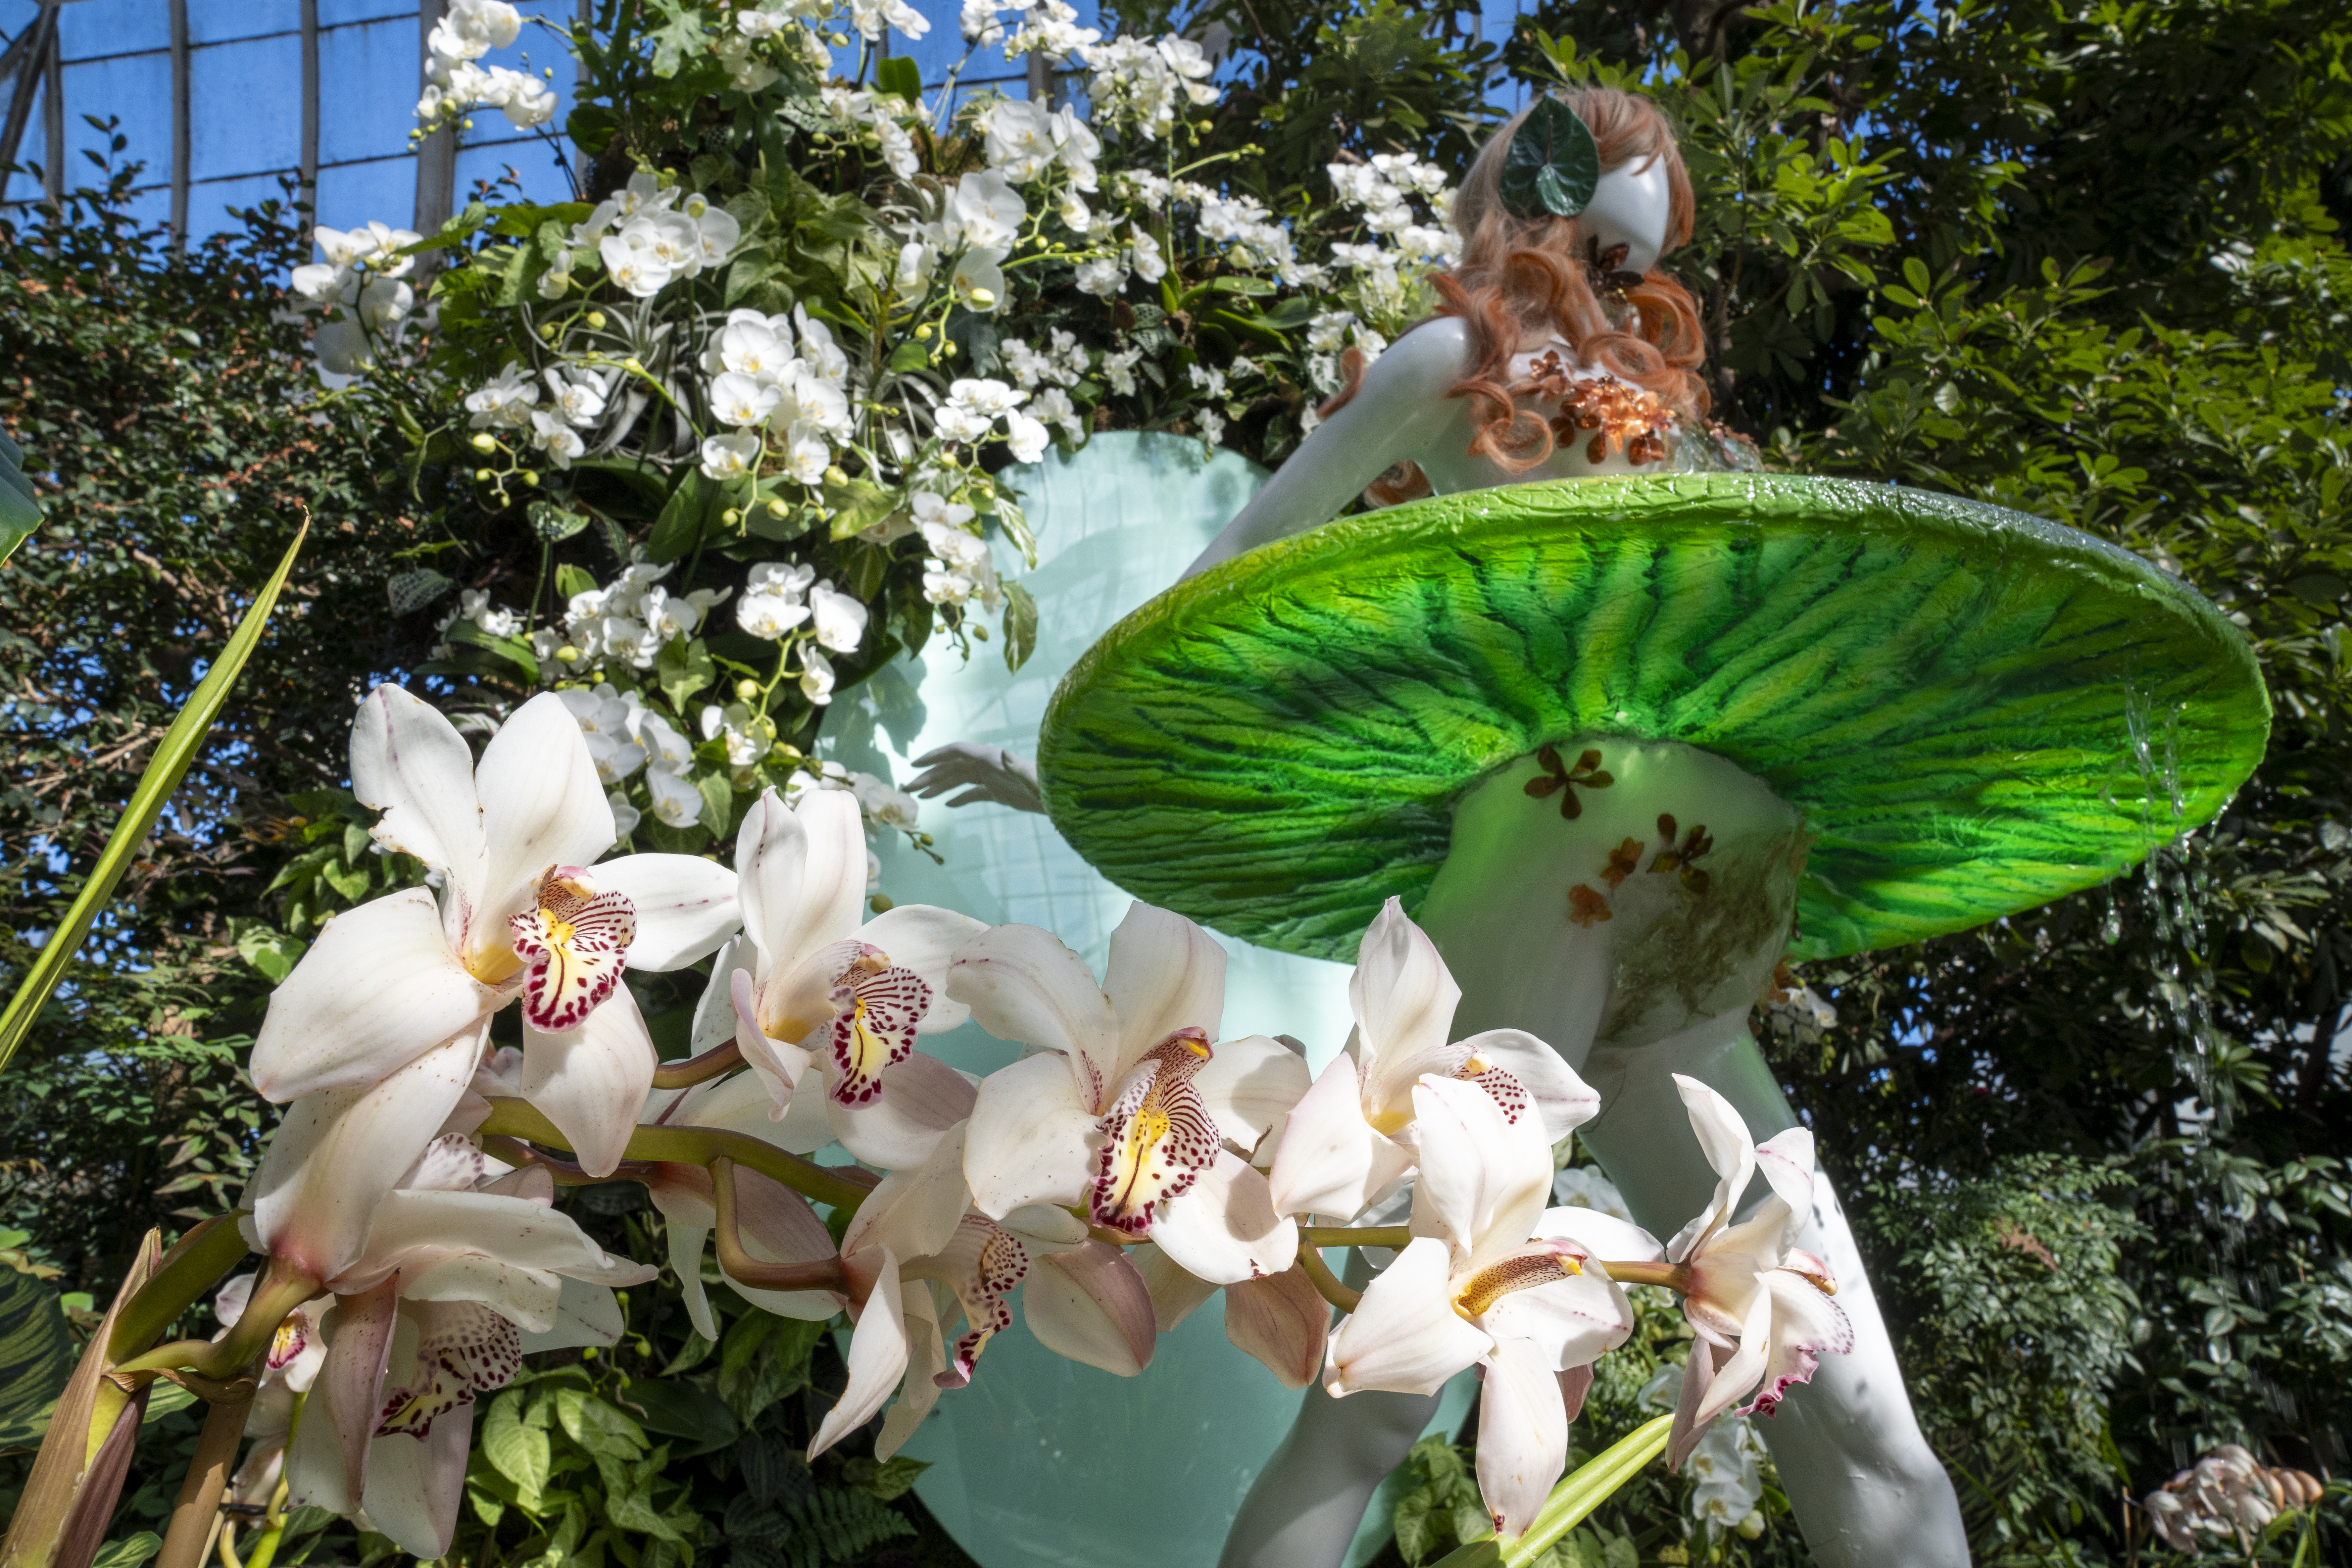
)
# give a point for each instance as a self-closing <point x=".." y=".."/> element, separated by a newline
<point x="1631" y="206"/>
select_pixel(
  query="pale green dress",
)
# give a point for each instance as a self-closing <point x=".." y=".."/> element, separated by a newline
<point x="1042" y="1462"/>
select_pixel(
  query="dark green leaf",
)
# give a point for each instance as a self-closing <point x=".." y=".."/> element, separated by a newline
<point x="680" y="1410"/>
<point x="1020" y="626"/>
<point x="514" y="650"/>
<point x="411" y="590"/>
<point x="686" y="519"/>
<point x="682" y="668"/>
<point x="1553" y="165"/>
<point x="554" y="523"/>
<point x="899" y="75"/>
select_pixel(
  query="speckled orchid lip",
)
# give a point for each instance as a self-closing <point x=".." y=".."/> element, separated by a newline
<point x="1531" y="1267"/>
<point x="877" y="1011"/>
<point x="1157" y="1136"/>
<point x="574" y="944"/>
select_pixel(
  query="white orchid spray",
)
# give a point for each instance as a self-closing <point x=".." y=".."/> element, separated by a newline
<point x="1134" y="1166"/>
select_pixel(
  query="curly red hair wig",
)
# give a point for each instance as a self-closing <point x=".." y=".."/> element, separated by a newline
<point x="1525" y="281"/>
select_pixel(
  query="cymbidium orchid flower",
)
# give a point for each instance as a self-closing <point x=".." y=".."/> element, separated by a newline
<point x="523" y="913"/>
<point x="1761" y="1308"/>
<point x="1129" y="1108"/>
<point x="1350" y="1140"/>
<point x="810" y="984"/>
<point x="466" y="1269"/>
<point x="916" y="1255"/>
<point x="1491" y="1279"/>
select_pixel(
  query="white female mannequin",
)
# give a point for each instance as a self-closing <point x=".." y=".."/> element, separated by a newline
<point x="1866" y="1488"/>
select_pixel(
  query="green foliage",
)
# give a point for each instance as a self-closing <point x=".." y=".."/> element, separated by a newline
<point x="164" y="405"/>
<point x="1440" y="1502"/>
<point x="37" y="1351"/>
<point x="2021" y="1330"/>
<point x="20" y="507"/>
<point x="1319" y="82"/>
<point x="659" y="1454"/>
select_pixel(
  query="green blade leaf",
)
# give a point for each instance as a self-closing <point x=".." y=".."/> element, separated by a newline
<point x="1572" y="1502"/>
<point x="37" y="1357"/>
<point x="170" y="763"/>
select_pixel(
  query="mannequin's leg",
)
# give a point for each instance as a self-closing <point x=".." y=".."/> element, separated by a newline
<point x="1867" y="1489"/>
<point x="1304" y="1506"/>
<point x="1307" y="1502"/>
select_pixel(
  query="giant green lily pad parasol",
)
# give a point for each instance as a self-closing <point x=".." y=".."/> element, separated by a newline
<point x="1978" y="712"/>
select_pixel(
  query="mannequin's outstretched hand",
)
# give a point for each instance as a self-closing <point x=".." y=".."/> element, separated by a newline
<point x="981" y="772"/>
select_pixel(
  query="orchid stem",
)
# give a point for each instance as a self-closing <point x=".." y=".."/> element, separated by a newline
<point x="1389" y="1235"/>
<point x="194" y="1265"/>
<point x="689" y="1146"/>
<point x="1326" y="1284"/>
<point x="280" y="1289"/>
<point x="826" y="1274"/>
<point x="565" y="1174"/>
<point x="198" y="1508"/>
<point x="1673" y="1276"/>
<point x="710" y="1064"/>
<point x="273" y="1529"/>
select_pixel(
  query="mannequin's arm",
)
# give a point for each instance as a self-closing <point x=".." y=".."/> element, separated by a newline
<point x="1400" y="414"/>
<point x="982" y="772"/>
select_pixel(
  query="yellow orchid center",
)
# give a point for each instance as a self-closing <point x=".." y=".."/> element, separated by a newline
<point x="1157" y="1136"/>
<point x="292" y="1338"/>
<point x="573" y="945"/>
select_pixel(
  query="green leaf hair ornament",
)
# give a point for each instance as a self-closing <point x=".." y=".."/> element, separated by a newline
<point x="1554" y="165"/>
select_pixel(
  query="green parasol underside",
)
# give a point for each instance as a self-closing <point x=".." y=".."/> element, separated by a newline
<point x="1978" y="711"/>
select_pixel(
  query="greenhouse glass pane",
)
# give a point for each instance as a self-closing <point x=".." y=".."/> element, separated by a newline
<point x="383" y="189"/>
<point x="335" y="13"/>
<point x="367" y="90"/>
<point x="93" y="28"/>
<point x="135" y="89"/>
<point x="542" y="180"/>
<point x="150" y="208"/>
<point x="245" y="108"/>
<point x="218" y="21"/>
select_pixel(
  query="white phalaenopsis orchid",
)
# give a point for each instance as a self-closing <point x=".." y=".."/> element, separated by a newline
<point x="466" y="1269"/>
<point x="1760" y="1308"/>
<point x="1351" y="1141"/>
<point x="1490" y="1279"/>
<point x="808" y="984"/>
<point x="523" y="914"/>
<point x="1129" y="1108"/>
